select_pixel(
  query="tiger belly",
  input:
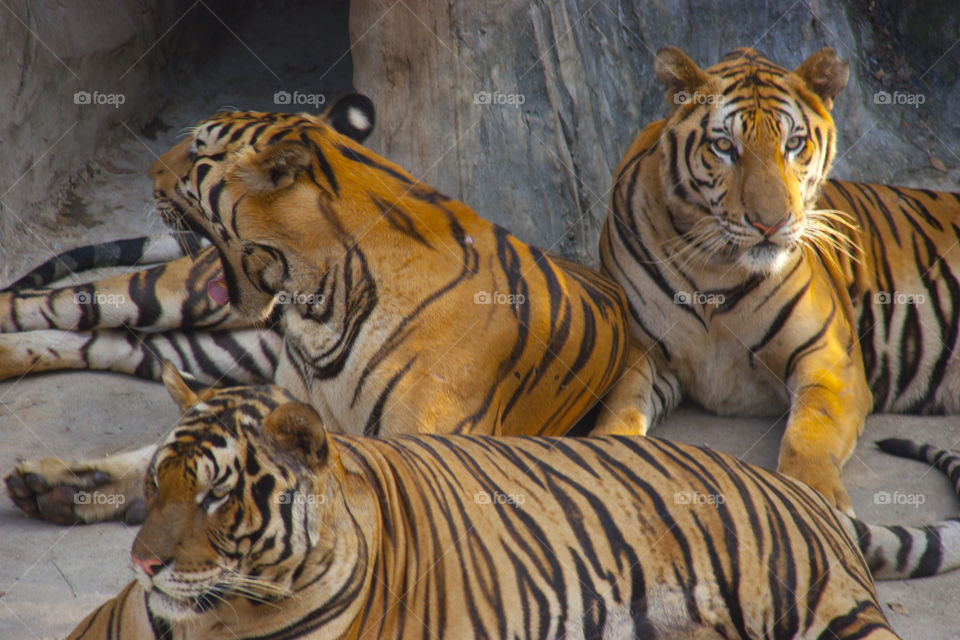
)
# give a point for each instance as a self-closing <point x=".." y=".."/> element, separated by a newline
<point x="731" y="387"/>
<point x="715" y="367"/>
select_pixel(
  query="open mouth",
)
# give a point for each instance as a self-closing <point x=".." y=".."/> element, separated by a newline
<point x="218" y="291"/>
<point x="175" y="217"/>
<point x="217" y="288"/>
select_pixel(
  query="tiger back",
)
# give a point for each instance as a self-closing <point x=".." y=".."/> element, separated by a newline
<point x="261" y="524"/>
<point x="402" y="310"/>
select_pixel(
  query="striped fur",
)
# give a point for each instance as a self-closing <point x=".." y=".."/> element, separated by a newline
<point x="400" y="310"/>
<point x="262" y="525"/>
<point x="757" y="286"/>
<point x="129" y="252"/>
<point x="132" y="322"/>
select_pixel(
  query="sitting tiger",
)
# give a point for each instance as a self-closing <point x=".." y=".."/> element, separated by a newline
<point x="757" y="286"/>
<point x="261" y="524"/>
<point x="400" y="310"/>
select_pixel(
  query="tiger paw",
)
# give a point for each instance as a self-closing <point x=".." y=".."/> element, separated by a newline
<point x="78" y="493"/>
<point x="821" y="473"/>
<point x="628" y="421"/>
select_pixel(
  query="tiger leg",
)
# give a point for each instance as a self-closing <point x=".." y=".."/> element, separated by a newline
<point x="168" y="296"/>
<point x="643" y="396"/>
<point x="82" y="491"/>
<point x="830" y="402"/>
<point x="125" y="252"/>
<point x="216" y="358"/>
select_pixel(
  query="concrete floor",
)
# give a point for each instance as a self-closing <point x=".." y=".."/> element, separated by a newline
<point x="51" y="576"/>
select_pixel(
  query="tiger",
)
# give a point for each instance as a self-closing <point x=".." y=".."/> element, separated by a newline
<point x="397" y="308"/>
<point x="759" y="287"/>
<point x="262" y="524"/>
<point x="130" y="322"/>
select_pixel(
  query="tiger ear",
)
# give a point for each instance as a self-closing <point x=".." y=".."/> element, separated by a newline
<point x="179" y="389"/>
<point x="297" y="428"/>
<point x="825" y="74"/>
<point x="275" y="167"/>
<point x="352" y="115"/>
<point x="679" y="73"/>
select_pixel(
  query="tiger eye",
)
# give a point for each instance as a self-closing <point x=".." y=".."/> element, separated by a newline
<point x="795" y="143"/>
<point x="723" y="145"/>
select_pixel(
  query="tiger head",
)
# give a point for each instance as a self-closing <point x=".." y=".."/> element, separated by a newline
<point x="241" y="496"/>
<point x="236" y="180"/>
<point x="744" y="151"/>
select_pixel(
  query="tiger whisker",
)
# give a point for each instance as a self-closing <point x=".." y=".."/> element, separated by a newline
<point x="834" y="215"/>
<point x="249" y="585"/>
<point x="824" y="238"/>
<point x="217" y="596"/>
<point x="695" y="246"/>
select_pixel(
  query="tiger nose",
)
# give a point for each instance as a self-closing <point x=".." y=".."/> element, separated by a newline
<point x="149" y="565"/>
<point x="766" y="230"/>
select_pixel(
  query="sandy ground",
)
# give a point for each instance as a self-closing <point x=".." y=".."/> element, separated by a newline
<point x="51" y="576"/>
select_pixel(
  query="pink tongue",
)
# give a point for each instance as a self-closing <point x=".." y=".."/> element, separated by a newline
<point x="217" y="290"/>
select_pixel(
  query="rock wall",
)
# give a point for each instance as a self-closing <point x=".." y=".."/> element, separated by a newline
<point x="524" y="108"/>
<point x="73" y="75"/>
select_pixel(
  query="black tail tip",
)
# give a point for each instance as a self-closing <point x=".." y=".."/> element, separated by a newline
<point x="900" y="447"/>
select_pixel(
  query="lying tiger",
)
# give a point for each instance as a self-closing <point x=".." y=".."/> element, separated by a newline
<point x="262" y="525"/>
<point x="400" y="310"/>
<point x="129" y="323"/>
<point x="758" y="287"/>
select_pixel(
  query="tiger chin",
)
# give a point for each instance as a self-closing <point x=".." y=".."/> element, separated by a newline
<point x="262" y="524"/>
<point x="758" y="286"/>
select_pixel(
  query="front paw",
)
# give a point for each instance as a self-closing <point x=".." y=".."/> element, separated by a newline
<point x="821" y="473"/>
<point x="66" y="494"/>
